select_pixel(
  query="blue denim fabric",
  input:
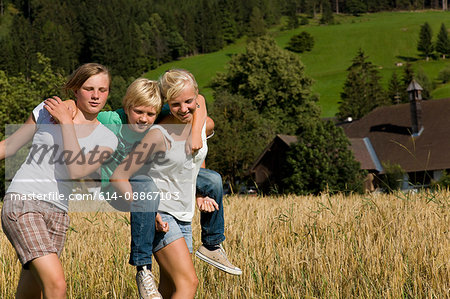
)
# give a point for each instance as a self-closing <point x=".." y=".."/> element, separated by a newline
<point x="209" y="183"/>
<point x="177" y="229"/>
<point x="142" y="218"/>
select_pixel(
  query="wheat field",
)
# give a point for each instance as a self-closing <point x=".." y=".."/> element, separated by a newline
<point x="359" y="246"/>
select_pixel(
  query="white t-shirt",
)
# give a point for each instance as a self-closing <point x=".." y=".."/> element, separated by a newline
<point x="176" y="178"/>
<point x="44" y="174"/>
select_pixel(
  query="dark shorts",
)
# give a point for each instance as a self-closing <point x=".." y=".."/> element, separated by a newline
<point x="35" y="228"/>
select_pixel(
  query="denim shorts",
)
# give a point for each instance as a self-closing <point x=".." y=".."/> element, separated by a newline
<point x="177" y="229"/>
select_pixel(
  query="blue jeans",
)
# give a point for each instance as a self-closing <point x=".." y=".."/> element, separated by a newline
<point x="142" y="219"/>
<point x="209" y="183"/>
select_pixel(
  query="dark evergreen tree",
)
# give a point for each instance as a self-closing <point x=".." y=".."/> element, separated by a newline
<point x="301" y="42"/>
<point x="229" y="26"/>
<point x="395" y="89"/>
<point x="403" y="4"/>
<point x="291" y="12"/>
<point x="443" y="42"/>
<point x="208" y="35"/>
<point x="425" y="44"/>
<point x="23" y="46"/>
<point x="257" y="26"/>
<point x="327" y="13"/>
<point x="362" y="90"/>
<point x="425" y="82"/>
<point x="321" y="161"/>
<point x="355" y="7"/>
<point x="408" y="76"/>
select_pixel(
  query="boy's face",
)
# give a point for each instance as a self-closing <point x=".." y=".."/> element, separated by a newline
<point x="140" y="118"/>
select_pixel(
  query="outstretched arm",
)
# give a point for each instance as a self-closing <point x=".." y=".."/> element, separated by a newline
<point x="13" y="143"/>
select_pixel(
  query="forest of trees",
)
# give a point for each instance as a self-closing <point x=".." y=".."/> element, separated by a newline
<point x="42" y="41"/>
<point x="134" y="36"/>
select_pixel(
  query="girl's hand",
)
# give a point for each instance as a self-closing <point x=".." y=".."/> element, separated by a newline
<point x="60" y="113"/>
<point x="161" y="226"/>
<point x="206" y="204"/>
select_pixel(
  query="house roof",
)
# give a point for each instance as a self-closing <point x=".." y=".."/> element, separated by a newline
<point x="389" y="131"/>
<point x="286" y="139"/>
<point x="361" y="147"/>
<point x="364" y="153"/>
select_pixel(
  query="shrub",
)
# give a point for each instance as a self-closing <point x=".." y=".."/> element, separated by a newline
<point x="304" y="21"/>
<point x="393" y="177"/>
<point x="301" y="42"/>
<point x="444" y="75"/>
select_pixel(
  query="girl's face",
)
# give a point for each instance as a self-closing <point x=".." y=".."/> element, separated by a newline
<point x="140" y="118"/>
<point x="183" y="106"/>
<point x="92" y="95"/>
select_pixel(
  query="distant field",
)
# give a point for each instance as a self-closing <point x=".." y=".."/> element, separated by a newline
<point x="361" y="246"/>
<point x="386" y="38"/>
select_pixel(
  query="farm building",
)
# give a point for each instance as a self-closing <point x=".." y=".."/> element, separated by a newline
<point x="414" y="136"/>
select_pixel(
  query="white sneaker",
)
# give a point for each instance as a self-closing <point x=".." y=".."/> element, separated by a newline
<point x="146" y="285"/>
<point x="217" y="258"/>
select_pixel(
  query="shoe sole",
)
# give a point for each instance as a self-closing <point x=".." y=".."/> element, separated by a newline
<point x="217" y="265"/>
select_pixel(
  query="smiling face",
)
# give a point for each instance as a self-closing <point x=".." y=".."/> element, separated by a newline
<point x="141" y="118"/>
<point x="92" y="95"/>
<point x="183" y="106"/>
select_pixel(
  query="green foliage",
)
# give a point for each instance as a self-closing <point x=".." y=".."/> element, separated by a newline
<point x="444" y="181"/>
<point x="327" y="15"/>
<point x="241" y="134"/>
<point x="395" y="89"/>
<point x="408" y="76"/>
<point x="257" y="26"/>
<point x="321" y="161"/>
<point x="362" y="90"/>
<point x="291" y="12"/>
<point x="274" y="80"/>
<point x="444" y="74"/>
<point x="19" y="95"/>
<point x="424" y="81"/>
<point x="304" y="20"/>
<point x="425" y="44"/>
<point x="443" y="42"/>
<point x="392" y="178"/>
<point x="355" y="7"/>
<point x="118" y="89"/>
<point x="301" y="42"/>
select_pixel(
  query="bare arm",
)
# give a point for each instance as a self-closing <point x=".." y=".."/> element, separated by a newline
<point x="209" y="127"/>
<point x="13" y="143"/>
<point x="200" y="115"/>
<point x="151" y="145"/>
<point x="79" y="164"/>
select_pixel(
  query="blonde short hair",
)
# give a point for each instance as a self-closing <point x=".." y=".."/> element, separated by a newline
<point x="143" y="92"/>
<point x="81" y="74"/>
<point x="172" y="83"/>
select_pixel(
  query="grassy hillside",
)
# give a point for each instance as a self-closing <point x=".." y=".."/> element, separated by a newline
<point x="386" y="38"/>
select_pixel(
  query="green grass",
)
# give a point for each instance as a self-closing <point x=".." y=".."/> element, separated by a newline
<point x="386" y="38"/>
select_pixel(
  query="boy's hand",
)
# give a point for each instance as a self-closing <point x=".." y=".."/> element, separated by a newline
<point x="206" y="204"/>
<point x="160" y="225"/>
